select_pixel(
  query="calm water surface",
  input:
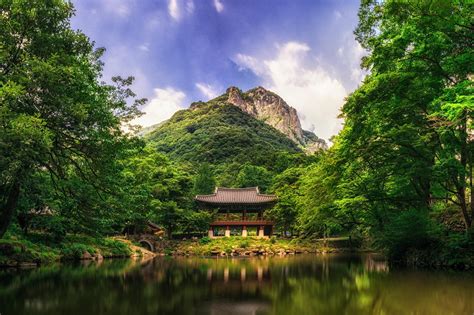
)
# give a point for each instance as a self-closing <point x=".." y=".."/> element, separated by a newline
<point x="309" y="284"/>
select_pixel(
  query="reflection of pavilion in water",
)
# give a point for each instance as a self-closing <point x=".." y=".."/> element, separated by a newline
<point x="240" y="289"/>
<point x="259" y="275"/>
<point x="248" y="285"/>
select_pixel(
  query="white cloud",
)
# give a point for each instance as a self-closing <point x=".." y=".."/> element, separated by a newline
<point x="176" y="7"/>
<point x="207" y="90"/>
<point x="161" y="107"/>
<point x="351" y="53"/>
<point x="337" y="15"/>
<point x="145" y="47"/>
<point x="246" y="62"/>
<point x="219" y="6"/>
<point x="303" y="83"/>
<point x="117" y="7"/>
<point x="173" y="9"/>
<point x="190" y="6"/>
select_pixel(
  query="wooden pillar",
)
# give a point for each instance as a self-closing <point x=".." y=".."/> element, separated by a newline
<point x="210" y="233"/>
<point x="227" y="231"/>
<point x="260" y="231"/>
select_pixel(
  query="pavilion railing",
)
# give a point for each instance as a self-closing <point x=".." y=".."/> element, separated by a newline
<point x="242" y="222"/>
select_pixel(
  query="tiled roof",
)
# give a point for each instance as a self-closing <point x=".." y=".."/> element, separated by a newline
<point x="249" y="195"/>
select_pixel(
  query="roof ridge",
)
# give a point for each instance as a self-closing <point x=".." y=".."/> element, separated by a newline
<point x="238" y="188"/>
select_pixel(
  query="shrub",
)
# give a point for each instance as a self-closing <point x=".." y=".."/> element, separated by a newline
<point x="244" y="244"/>
<point x="409" y="230"/>
<point x="205" y="240"/>
<point x="75" y="250"/>
<point x="116" y="248"/>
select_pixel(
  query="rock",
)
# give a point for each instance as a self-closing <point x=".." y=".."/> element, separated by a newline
<point x="27" y="265"/>
<point x="215" y="252"/>
<point x="99" y="257"/>
<point x="273" y="110"/>
<point x="86" y="256"/>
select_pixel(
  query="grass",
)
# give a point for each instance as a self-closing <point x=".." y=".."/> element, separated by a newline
<point x="207" y="246"/>
<point x="41" y="248"/>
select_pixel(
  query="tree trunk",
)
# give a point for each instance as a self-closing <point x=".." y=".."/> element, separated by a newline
<point x="461" y="189"/>
<point x="170" y="232"/>
<point x="8" y="209"/>
<point x="470" y="186"/>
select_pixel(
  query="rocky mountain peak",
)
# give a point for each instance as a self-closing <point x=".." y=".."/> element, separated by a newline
<point x="272" y="109"/>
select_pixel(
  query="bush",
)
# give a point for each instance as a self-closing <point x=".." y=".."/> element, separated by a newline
<point x="244" y="244"/>
<point x="75" y="251"/>
<point x="116" y="248"/>
<point x="408" y="230"/>
<point x="205" y="240"/>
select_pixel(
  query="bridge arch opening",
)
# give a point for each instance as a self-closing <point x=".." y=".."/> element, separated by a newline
<point x="147" y="244"/>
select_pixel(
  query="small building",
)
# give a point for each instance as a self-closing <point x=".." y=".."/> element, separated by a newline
<point x="240" y="211"/>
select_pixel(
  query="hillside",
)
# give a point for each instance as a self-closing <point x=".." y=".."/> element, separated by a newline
<point x="218" y="132"/>
<point x="240" y="127"/>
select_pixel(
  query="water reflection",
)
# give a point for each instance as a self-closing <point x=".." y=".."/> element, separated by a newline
<point x="330" y="284"/>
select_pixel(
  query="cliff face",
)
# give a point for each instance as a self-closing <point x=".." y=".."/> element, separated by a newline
<point x="273" y="110"/>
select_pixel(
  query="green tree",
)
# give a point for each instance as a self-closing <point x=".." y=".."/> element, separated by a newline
<point x="55" y="114"/>
<point x="287" y="187"/>
<point x="406" y="147"/>
<point x="254" y="176"/>
<point x="409" y="122"/>
<point x="154" y="189"/>
<point x="204" y="182"/>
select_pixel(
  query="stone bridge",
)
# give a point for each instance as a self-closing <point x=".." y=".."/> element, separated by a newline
<point x="151" y="242"/>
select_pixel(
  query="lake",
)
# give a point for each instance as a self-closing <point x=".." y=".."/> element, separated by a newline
<point x="306" y="284"/>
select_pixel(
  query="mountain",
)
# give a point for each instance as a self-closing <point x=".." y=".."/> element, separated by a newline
<point x="218" y="132"/>
<point x="256" y="127"/>
<point x="272" y="109"/>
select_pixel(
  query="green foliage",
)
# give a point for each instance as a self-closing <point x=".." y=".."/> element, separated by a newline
<point x="254" y="176"/>
<point x="204" y="181"/>
<point x="404" y="151"/>
<point x="116" y="248"/>
<point x="56" y="116"/>
<point x="411" y="229"/>
<point x="204" y="240"/>
<point x="75" y="251"/>
<point x="244" y="244"/>
<point x="154" y="189"/>
<point x="219" y="133"/>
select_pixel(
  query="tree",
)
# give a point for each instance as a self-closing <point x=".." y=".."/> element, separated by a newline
<point x="153" y="189"/>
<point x="287" y="187"/>
<point x="405" y="152"/>
<point x="55" y="114"/>
<point x="204" y="182"/>
<point x="254" y="176"/>
<point x="409" y="121"/>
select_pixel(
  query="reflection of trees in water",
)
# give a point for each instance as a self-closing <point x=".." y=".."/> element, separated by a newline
<point x="278" y="285"/>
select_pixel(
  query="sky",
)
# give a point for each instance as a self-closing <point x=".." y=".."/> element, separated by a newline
<point x="181" y="51"/>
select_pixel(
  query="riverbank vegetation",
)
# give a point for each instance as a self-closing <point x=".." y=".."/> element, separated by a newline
<point x="398" y="176"/>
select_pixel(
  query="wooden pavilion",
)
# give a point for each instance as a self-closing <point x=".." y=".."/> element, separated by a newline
<point x="240" y="211"/>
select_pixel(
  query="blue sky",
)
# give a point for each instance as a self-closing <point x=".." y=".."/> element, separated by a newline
<point x="182" y="51"/>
